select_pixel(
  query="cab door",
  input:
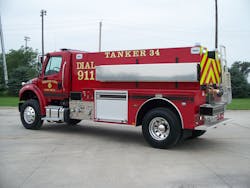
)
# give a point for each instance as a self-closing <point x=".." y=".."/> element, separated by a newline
<point x="53" y="81"/>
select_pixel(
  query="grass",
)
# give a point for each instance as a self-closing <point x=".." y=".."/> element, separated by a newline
<point x="237" y="104"/>
<point x="9" y="101"/>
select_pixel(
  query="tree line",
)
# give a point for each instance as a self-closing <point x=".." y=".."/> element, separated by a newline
<point x="22" y="66"/>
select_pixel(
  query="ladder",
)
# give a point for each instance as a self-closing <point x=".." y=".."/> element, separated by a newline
<point x="225" y="76"/>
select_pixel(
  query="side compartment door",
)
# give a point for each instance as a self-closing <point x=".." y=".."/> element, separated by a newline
<point x="111" y="106"/>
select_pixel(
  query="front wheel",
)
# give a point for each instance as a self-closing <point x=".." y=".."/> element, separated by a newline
<point x="30" y="114"/>
<point x="161" y="128"/>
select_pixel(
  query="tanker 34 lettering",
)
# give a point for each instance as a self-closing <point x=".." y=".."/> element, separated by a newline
<point x="85" y="70"/>
<point x="132" y="53"/>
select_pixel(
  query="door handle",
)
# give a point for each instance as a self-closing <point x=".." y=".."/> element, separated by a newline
<point x="59" y="85"/>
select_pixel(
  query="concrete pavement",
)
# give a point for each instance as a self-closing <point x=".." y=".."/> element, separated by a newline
<point x="91" y="155"/>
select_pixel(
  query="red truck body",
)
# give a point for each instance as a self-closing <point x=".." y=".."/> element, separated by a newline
<point x="125" y="86"/>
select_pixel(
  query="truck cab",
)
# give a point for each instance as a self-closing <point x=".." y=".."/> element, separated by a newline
<point x="51" y="88"/>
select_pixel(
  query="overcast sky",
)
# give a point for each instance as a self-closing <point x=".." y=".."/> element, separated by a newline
<point x="128" y="24"/>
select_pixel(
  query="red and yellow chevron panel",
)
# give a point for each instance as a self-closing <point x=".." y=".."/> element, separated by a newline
<point x="210" y="70"/>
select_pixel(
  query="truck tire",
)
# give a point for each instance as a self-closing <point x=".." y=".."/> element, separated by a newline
<point x="73" y="121"/>
<point x="197" y="133"/>
<point x="161" y="128"/>
<point x="30" y="114"/>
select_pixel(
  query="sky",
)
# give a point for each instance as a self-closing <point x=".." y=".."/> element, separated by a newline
<point x="128" y="24"/>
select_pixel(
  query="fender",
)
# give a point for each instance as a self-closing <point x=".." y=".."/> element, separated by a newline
<point x="33" y="88"/>
<point x="163" y="99"/>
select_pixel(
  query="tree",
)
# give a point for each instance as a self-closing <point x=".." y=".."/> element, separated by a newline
<point x="239" y="73"/>
<point x="21" y="65"/>
<point x="22" y="57"/>
<point x="18" y="75"/>
<point x="243" y="67"/>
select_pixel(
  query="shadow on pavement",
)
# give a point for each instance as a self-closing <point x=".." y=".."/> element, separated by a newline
<point x="128" y="135"/>
<point x="112" y="133"/>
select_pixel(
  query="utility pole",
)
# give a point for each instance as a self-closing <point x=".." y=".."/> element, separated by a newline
<point x="100" y="36"/>
<point x="43" y="13"/>
<point x="26" y="39"/>
<point x="216" y="25"/>
<point x="4" y="58"/>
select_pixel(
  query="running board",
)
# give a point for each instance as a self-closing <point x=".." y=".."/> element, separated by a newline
<point x="54" y="113"/>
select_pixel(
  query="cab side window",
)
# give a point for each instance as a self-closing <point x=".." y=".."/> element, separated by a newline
<point x="53" y="66"/>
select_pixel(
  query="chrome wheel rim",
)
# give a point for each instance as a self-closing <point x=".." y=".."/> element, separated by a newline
<point x="159" y="128"/>
<point x="29" y="115"/>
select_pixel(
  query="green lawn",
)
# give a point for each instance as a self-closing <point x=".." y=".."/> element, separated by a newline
<point x="9" y="101"/>
<point x="239" y="104"/>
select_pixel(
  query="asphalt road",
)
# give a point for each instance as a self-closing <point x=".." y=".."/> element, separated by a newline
<point x="112" y="156"/>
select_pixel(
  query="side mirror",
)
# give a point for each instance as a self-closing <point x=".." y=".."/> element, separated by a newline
<point x="40" y="59"/>
<point x="39" y="64"/>
<point x="39" y="67"/>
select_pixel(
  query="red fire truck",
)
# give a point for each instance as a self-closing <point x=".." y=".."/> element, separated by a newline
<point x="173" y="92"/>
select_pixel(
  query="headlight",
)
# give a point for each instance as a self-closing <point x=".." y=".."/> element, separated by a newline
<point x="28" y="82"/>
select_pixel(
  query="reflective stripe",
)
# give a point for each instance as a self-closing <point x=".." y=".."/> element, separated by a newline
<point x="203" y="60"/>
<point x="218" y="65"/>
<point x="210" y="70"/>
<point x="215" y="72"/>
<point x="210" y="77"/>
<point x="204" y="73"/>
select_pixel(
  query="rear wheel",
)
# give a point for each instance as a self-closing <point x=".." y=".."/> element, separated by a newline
<point x="73" y="121"/>
<point x="161" y="128"/>
<point x="30" y="114"/>
<point x="197" y="133"/>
